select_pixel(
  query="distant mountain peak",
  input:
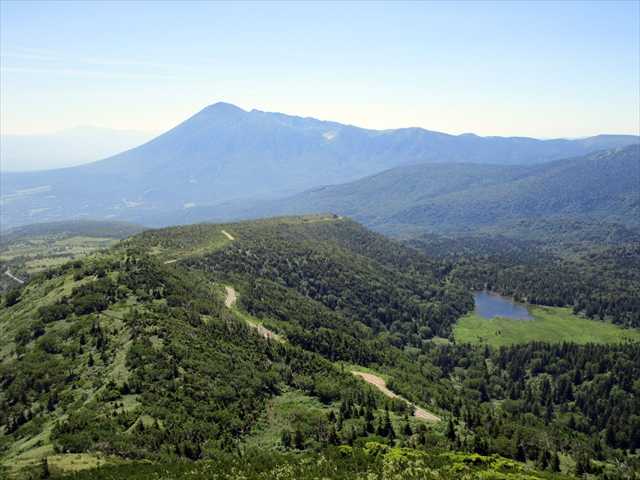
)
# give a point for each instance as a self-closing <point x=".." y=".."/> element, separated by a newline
<point x="224" y="108"/>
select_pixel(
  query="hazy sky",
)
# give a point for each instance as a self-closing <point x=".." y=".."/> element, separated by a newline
<point x="540" y="69"/>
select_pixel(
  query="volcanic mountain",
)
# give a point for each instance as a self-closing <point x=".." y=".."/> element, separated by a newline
<point x="225" y="154"/>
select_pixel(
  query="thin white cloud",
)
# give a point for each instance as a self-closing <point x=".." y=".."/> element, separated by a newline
<point x="33" y="54"/>
<point x="29" y="56"/>
<point x="98" y="61"/>
<point x="33" y="50"/>
<point x="84" y="73"/>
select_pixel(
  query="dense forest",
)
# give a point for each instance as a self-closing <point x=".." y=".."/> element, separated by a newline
<point x="130" y="355"/>
<point x="601" y="283"/>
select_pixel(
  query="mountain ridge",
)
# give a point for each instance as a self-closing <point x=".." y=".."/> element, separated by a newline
<point x="224" y="153"/>
<point x="436" y="198"/>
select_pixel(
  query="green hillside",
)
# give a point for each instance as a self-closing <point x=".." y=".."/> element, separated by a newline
<point x="436" y="198"/>
<point x="130" y="360"/>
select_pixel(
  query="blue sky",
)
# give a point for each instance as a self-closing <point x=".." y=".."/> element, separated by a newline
<point x="540" y="69"/>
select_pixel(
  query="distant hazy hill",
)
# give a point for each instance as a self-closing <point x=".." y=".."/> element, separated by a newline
<point x="67" y="148"/>
<point x="225" y="153"/>
<point x="599" y="187"/>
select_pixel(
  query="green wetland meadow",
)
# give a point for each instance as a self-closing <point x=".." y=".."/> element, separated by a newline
<point x="550" y="324"/>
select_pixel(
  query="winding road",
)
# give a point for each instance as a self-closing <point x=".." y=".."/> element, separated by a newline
<point x="8" y="274"/>
<point x="382" y="386"/>
<point x="372" y="379"/>
<point x="231" y="297"/>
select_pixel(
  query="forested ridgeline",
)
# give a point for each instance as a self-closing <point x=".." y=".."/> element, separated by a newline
<point x="600" y="187"/>
<point x="602" y="283"/>
<point x="131" y="354"/>
<point x="364" y="277"/>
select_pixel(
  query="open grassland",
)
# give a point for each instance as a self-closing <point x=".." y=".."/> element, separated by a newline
<point x="551" y="324"/>
<point x="26" y="257"/>
<point x="41" y="253"/>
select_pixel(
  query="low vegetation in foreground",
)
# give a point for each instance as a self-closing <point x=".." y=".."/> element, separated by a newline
<point x="374" y="461"/>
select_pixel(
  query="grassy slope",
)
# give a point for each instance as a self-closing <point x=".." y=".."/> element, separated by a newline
<point x="551" y="324"/>
<point x="90" y="381"/>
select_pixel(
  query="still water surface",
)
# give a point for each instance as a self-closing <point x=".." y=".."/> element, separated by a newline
<point x="491" y="304"/>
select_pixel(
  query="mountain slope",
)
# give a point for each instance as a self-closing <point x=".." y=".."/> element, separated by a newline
<point x="599" y="187"/>
<point x="131" y="354"/>
<point x="225" y="153"/>
<point x="125" y="354"/>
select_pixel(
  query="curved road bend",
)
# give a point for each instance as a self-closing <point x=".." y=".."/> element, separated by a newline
<point x="382" y="386"/>
<point x="231" y="297"/>
<point x="8" y="274"/>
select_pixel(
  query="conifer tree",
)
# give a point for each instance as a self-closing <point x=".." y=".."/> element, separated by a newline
<point x="332" y="438"/>
<point x="298" y="439"/>
<point x="451" y="433"/>
<point x="543" y="462"/>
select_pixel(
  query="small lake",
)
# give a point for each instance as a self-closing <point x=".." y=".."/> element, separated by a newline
<point x="491" y="304"/>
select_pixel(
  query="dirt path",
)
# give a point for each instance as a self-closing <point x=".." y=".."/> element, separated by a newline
<point x="231" y="297"/>
<point x="382" y="386"/>
<point x="228" y="236"/>
<point x="171" y="261"/>
<point x="8" y="274"/>
<point x="264" y="332"/>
